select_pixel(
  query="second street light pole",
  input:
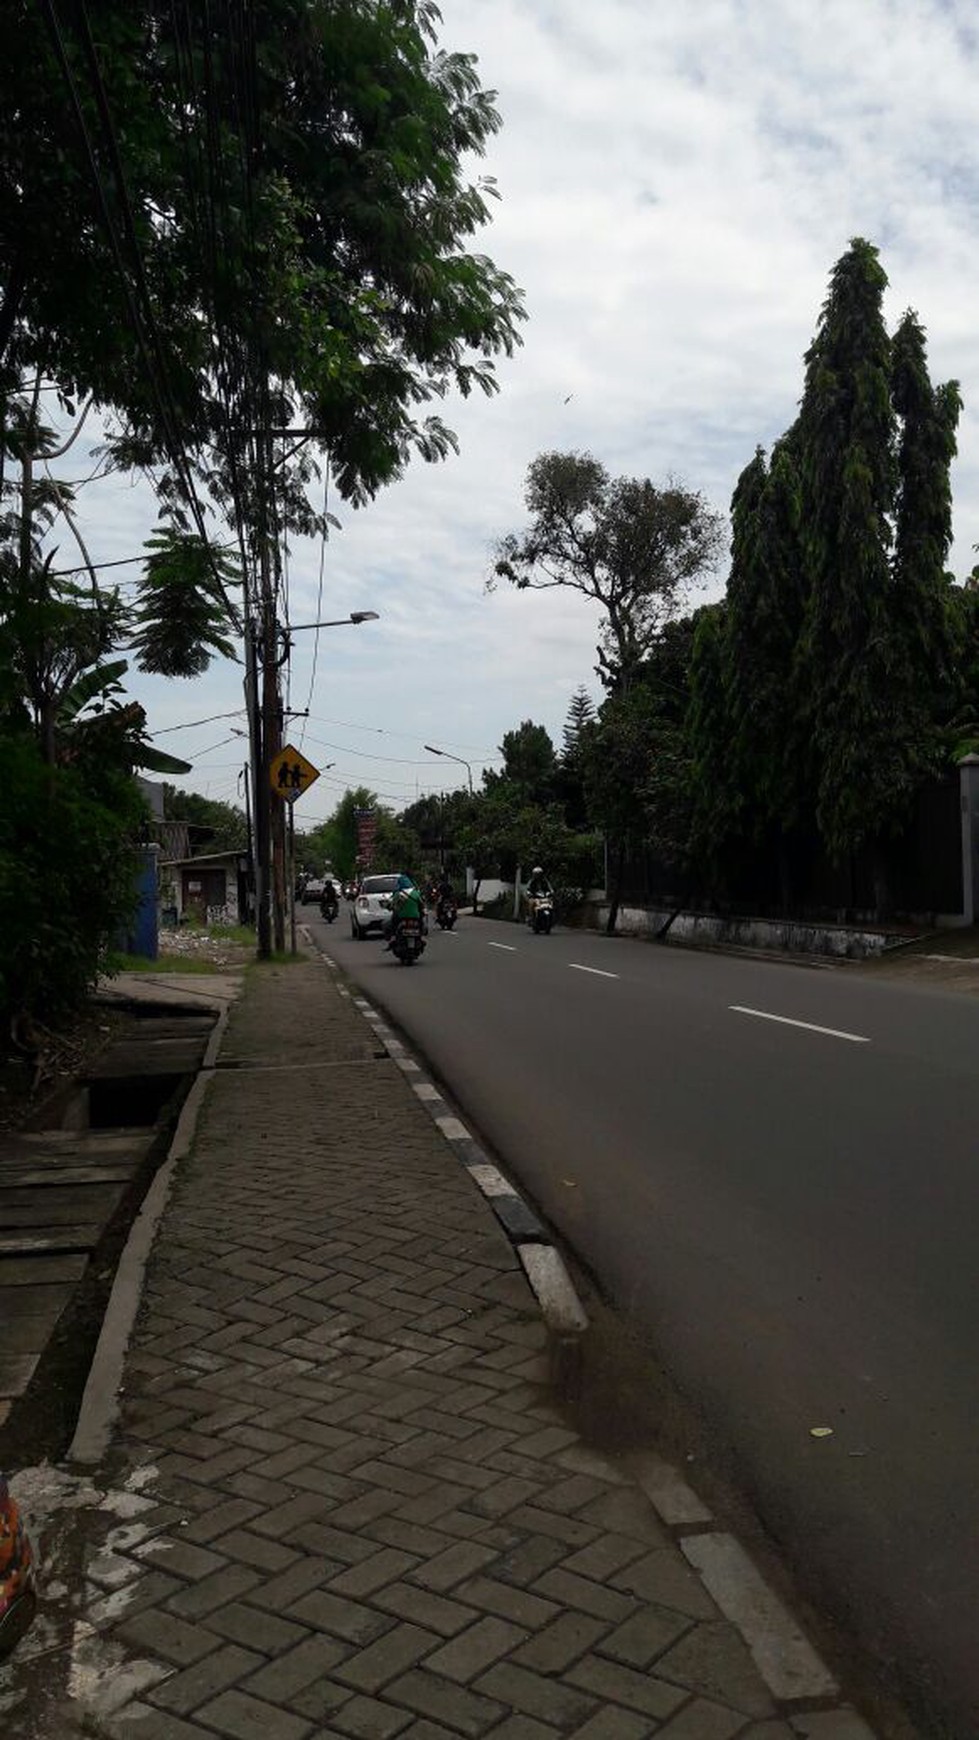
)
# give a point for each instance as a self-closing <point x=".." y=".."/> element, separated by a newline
<point x="450" y="757"/>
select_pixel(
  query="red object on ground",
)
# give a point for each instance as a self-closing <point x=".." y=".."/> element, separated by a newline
<point x="18" y="1596"/>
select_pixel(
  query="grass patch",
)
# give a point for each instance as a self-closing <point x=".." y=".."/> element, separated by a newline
<point x="237" y="933"/>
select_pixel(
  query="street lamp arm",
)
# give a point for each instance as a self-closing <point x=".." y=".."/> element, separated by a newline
<point x="356" y="617"/>
<point x="450" y="757"/>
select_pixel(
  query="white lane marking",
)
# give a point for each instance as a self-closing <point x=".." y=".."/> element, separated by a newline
<point x="599" y="974"/>
<point x="508" y="946"/>
<point x="810" y="1026"/>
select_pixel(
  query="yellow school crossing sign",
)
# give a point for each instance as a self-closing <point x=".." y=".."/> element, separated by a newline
<point x="291" y="774"/>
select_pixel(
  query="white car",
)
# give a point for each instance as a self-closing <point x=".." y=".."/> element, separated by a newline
<point x="371" y="909"/>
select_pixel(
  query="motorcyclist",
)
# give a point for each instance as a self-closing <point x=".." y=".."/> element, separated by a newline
<point x="538" y="884"/>
<point x="406" y="902"/>
<point x="329" y="896"/>
<point x="443" y="898"/>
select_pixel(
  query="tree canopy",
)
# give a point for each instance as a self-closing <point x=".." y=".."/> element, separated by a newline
<point x="633" y="548"/>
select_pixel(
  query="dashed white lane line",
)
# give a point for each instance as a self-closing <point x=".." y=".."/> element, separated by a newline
<point x="599" y="974"/>
<point x="810" y="1026"/>
<point x="508" y="947"/>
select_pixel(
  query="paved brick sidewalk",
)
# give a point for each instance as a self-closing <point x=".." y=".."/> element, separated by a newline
<point x="345" y="1501"/>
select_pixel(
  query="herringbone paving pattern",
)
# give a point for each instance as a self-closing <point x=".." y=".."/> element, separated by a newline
<point x="363" y="1512"/>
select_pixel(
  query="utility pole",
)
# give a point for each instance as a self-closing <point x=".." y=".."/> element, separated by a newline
<point x="261" y="792"/>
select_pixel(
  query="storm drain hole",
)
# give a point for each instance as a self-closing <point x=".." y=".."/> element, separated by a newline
<point x="126" y="1102"/>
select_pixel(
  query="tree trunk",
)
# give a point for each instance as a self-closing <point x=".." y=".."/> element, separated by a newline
<point x="784" y="874"/>
<point x="476" y="887"/>
<point x="613" y="911"/>
<point x="883" y="895"/>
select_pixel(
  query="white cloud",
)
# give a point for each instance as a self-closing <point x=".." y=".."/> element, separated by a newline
<point x="677" y="182"/>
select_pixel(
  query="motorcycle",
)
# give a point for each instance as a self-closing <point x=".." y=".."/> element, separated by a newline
<point x="408" y="941"/>
<point x="446" y="913"/>
<point x="329" y="907"/>
<point x="540" y="914"/>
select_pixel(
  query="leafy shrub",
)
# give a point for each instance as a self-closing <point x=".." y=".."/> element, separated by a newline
<point x="68" y="861"/>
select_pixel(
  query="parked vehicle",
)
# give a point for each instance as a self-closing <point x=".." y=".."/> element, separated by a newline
<point x="408" y="941"/>
<point x="446" y="912"/>
<point x="371" y="909"/>
<point x="540" y="914"/>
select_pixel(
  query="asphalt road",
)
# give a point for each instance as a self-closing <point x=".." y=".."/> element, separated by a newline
<point x="774" y="1169"/>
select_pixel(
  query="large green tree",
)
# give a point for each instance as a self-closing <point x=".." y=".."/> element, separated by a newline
<point x="853" y="670"/>
<point x="763" y="621"/>
<point x="218" y="232"/>
<point x="631" y="547"/>
<point x="529" y="764"/>
<point x="227" y="823"/>
<point x="928" y="419"/>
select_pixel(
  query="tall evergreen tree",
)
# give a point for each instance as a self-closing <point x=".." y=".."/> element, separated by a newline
<point x="923" y="522"/>
<point x="765" y="602"/>
<point x="715" y="799"/>
<point x="580" y="713"/>
<point x="855" y="679"/>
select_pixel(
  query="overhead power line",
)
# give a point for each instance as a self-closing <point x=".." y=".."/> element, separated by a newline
<point x="211" y="719"/>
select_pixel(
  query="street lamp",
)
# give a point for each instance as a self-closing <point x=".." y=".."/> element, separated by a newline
<point x="450" y="757"/>
<point x="356" y="616"/>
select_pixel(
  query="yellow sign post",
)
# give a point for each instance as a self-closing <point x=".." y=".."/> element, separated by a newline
<point x="291" y="774"/>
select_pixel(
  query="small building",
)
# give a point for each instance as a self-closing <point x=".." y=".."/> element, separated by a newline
<point x="209" y="889"/>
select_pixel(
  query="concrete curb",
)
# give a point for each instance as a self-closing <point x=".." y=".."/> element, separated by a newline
<point x="560" y="1307"/>
<point x="100" y="1400"/>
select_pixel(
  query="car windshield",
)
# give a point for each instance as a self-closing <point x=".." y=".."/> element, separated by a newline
<point x="380" y="884"/>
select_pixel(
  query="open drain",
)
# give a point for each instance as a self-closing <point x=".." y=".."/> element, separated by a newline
<point x="307" y="1064"/>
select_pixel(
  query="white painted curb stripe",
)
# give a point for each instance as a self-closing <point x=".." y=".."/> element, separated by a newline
<point x="785" y="1658"/>
<point x="810" y="1026"/>
<point x="452" y="1128"/>
<point x="490" y="1181"/>
<point x="559" y="1303"/>
<point x="577" y="967"/>
<point x="676" y="1503"/>
<point x="549" y="1280"/>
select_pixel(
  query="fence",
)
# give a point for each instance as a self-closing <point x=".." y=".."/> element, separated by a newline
<point x="918" y="873"/>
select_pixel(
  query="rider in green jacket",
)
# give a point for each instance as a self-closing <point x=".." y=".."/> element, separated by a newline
<point x="407" y="902"/>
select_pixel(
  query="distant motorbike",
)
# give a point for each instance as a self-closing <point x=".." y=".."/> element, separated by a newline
<point x="446" y="912"/>
<point x="540" y="914"/>
<point x="329" y="907"/>
<point x="408" y="941"/>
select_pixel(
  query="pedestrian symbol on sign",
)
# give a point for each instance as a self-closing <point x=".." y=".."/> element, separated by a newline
<point x="290" y="773"/>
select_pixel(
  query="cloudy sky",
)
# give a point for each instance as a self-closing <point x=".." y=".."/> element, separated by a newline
<point x="678" y="178"/>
